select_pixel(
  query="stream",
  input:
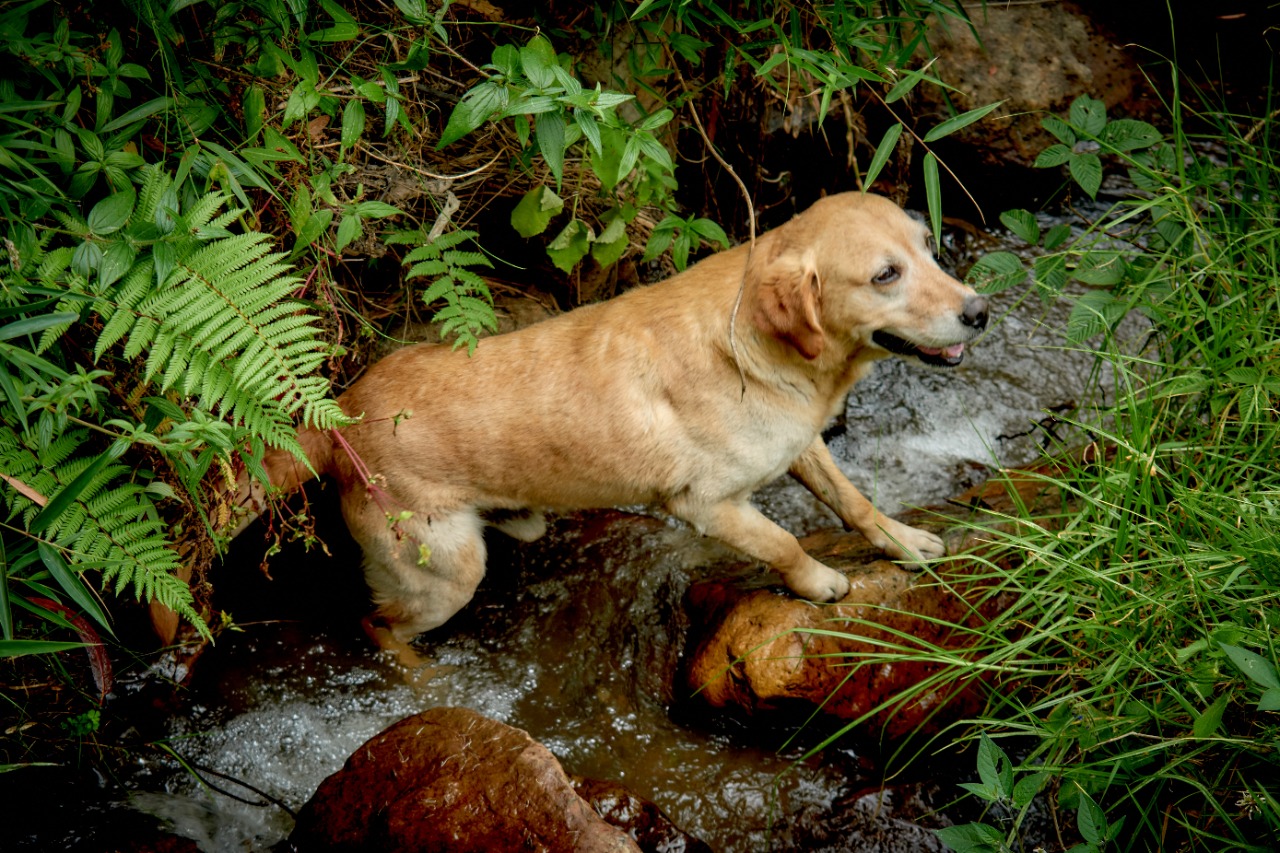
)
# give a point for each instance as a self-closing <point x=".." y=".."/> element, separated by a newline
<point x="575" y="638"/>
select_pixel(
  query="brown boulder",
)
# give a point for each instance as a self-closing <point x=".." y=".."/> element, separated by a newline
<point x="450" y="779"/>
<point x="1036" y="58"/>
<point x="763" y="651"/>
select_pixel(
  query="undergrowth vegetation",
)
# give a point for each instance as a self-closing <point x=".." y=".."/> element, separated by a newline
<point x="1137" y="673"/>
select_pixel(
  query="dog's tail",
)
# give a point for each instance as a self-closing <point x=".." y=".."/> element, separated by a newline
<point x="286" y="474"/>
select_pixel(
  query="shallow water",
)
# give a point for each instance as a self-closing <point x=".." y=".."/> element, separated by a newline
<point x="575" y="638"/>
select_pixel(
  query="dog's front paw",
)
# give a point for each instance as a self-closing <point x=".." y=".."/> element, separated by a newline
<point x="818" y="583"/>
<point x="911" y="544"/>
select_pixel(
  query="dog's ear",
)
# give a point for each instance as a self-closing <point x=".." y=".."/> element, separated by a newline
<point x="784" y="294"/>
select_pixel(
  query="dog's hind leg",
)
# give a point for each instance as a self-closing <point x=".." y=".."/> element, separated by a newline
<point x="421" y="570"/>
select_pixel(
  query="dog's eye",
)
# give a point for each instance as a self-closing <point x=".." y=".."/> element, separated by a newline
<point x="888" y="275"/>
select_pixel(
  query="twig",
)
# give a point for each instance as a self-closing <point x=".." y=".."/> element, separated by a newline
<point x="751" y="218"/>
<point x="477" y="170"/>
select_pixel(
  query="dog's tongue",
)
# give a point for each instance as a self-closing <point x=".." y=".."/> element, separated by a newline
<point x="953" y="351"/>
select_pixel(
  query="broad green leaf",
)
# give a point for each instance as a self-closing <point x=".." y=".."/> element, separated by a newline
<point x="254" y="106"/>
<point x="1050" y="275"/>
<point x="536" y="59"/>
<point x="1210" y="719"/>
<point x="348" y="230"/>
<point x="117" y="259"/>
<point x="1027" y="788"/>
<point x="963" y="120"/>
<point x="472" y="111"/>
<point x="1091" y="820"/>
<point x="550" y="130"/>
<point x="710" y="231"/>
<point x="353" y="121"/>
<point x="1023" y="223"/>
<point x="345" y="27"/>
<point x="1087" y="171"/>
<point x="1258" y="669"/>
<point x="111" y="214"/>
<point x="535" y="211"/>
<point x="86" y="258"/>
<point x="933" y="195"/>
<point x="1270" y="700"/>
<point x="1056" y="236"/>
<point x="571" y="245"/>
<point x="612" y="242"/>
<point x="972" y="838"/>
<point x="888" y="143"/>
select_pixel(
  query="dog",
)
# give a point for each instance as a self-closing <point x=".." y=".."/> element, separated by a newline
<point x="689" y="394"/>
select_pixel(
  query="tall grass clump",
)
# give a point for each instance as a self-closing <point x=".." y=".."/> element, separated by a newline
<point x="1137" y="671"/>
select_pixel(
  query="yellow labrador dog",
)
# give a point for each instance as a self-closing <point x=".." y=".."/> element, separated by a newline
<point x="642" y="400"/>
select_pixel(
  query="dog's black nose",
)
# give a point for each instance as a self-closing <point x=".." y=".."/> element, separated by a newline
<point x="975" y="312"/>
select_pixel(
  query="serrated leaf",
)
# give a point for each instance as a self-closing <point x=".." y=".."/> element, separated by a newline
<point x="996" y="272"/>
<point x="535" y="211"/>
<point x="1088" y="114"/>
<point x="1086" y="169"/>
<point x="1054" y="155"/>
<point x="1101" y="269"/>
<point x="963" y="120"/>
<point x="1091" y="314"/>
<point x="884" y="150"/>
<point x="1059" y="129"/>
<point x="1022" y="223"/>
<point x="972" y="838"/>
<point x="1126" y="134"/>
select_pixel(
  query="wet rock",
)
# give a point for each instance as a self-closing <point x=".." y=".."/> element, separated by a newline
<point x="451" y="779"/>
<point x="894" y="819"/>
<point x="1034" y="57"/>
<point x="641" y="819"/>
<point x="764" y="652"/>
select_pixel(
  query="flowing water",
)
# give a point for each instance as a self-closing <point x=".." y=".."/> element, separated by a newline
<point x="576" y="638"/>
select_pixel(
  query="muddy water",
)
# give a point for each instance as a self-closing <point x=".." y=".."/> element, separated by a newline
<point x="575" y="638"/>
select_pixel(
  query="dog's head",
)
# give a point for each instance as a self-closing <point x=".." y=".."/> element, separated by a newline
<point x="855" y="271"/>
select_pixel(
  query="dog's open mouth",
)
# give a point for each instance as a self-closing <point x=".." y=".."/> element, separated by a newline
<point x="941" y="356"/>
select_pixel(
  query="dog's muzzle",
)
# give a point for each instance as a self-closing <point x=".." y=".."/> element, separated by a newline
<point x="974" y="316"/>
